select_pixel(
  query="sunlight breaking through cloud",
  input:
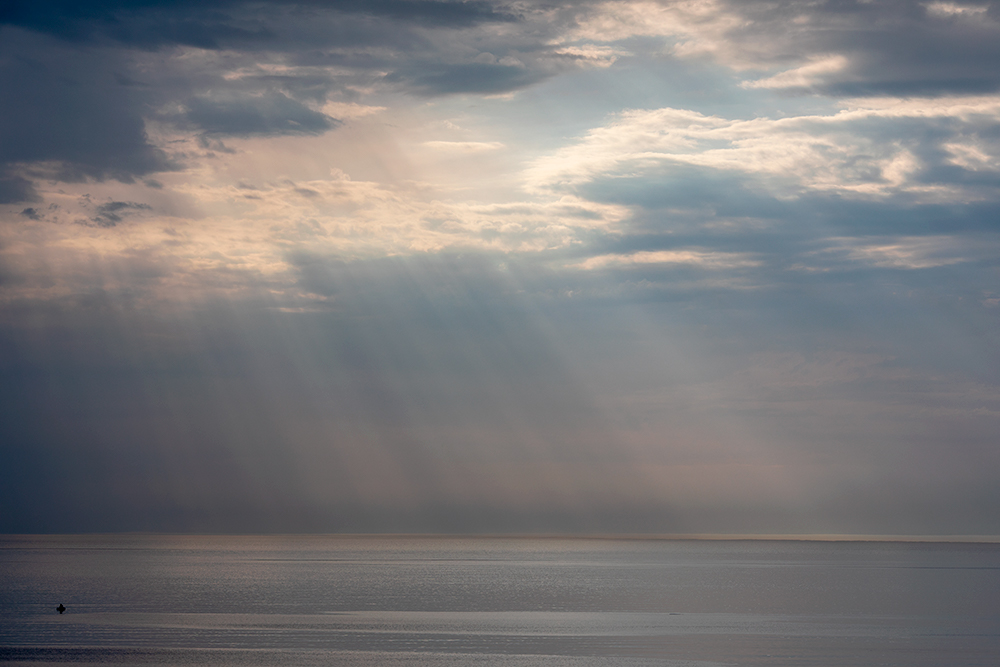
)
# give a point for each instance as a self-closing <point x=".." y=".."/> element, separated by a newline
<point x="686" y="264"/>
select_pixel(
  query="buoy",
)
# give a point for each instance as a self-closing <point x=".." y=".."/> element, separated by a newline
<point x="60" y="608"/>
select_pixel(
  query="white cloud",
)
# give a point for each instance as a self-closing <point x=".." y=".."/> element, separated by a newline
<point x="592" y="55"/>
<point x="804" y="76"/>
<point x="232" y="236"/>
<point x="972" y="157"/>
<point x="909" y="252"/>
<point x="962" y="108"/>
<point x="955" y="9"/>
<point x="858" y="151"/>
<point x="699" y="26"/>
<point x="697" y="258"/>
<point x="346" y="110"/>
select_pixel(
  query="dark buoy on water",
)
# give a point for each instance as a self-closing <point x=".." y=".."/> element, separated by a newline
<point x="60" y="608"/>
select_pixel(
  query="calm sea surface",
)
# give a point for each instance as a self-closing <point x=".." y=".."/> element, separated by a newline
<point x="503" y="602"/>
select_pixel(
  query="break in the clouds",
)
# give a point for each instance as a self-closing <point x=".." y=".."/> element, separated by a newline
<point x="422" y="265"/>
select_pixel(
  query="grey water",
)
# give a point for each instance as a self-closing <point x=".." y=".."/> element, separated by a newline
<point x="498" y="602"/>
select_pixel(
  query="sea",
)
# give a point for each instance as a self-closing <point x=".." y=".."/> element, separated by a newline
<point x="496" y="601"/>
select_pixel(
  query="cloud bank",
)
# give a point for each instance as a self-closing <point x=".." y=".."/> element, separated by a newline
<point x="679" y="266"/>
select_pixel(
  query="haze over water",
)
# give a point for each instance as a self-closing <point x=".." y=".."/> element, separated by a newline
<point x="386" y="600"/>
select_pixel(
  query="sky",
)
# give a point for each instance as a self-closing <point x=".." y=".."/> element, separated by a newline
<point x="692" y="266"/>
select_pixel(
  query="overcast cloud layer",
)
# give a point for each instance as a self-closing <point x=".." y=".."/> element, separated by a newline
<point x="419" y="265"/>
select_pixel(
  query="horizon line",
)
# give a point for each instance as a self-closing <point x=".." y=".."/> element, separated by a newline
<point x="742" y="537"/>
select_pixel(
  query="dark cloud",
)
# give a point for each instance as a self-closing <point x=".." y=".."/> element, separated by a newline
<point x="14" y="188"/>
<point x="453" y="13"/>
<point x="694" y="200"/>
<point x="143" y="23"/>
<point x="64" y="109"/>
<point x="113" y="212"/>
<point x="75" y="100"/>
<point x="897" y="47"/>
<point x="222" y="23"/>
<point x="268" y="115"/>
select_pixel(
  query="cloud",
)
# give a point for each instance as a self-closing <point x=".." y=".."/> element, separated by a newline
<point x="870" y="148"/>
<point x="347" y="110"/>
<point x="220" y="23"/>
<point x="696" y="258"/>
<point x="592" y="54"/>
<point x="376" y="393"/>
<point x="101" y="90"/>
<point x="920" y="252"/>
<point x="65" y="112"/>
<point x="272" y="114"/>
<point x="804" y="77"/>
<point x="113" y="212"/>
<point x="14" y="188"/>
<point x="702" y="26"/>
<point x="886" y="47"/>
<point x="952" y="9"/>
<point x="895" y="47"/>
